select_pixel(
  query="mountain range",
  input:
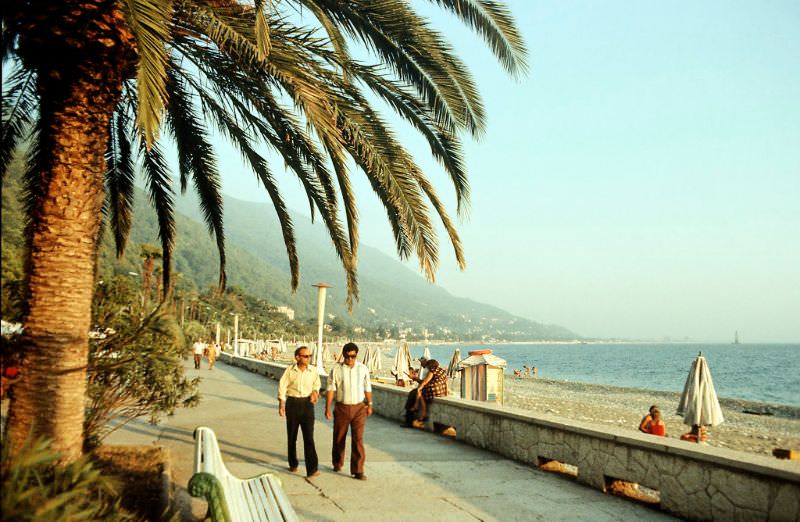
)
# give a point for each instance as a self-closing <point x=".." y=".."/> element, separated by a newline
<point x="392" y="296"/>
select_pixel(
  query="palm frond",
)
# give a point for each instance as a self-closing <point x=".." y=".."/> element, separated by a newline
<point x="119" y="181"/>
<point x="196" y="158"/>
<point x="20" y="107"/>
<point x="149" y="21"/>
<point x="493" y="21"/>
<point x="157" y="177"/>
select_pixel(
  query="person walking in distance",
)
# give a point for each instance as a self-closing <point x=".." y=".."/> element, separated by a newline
<point x="198" y="348"/>
<point x="349" y="384"/>
<point x="298" y="392"/>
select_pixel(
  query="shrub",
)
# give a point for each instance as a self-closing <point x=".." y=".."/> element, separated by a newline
<point x="135" y="364"/>
<point x="35" y="488"/>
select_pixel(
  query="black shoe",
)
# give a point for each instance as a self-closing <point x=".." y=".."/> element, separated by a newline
<point x="293" y="469"/>
<point x="337" y="469"/>
<point x="312" y="475"/>
<point x="359" y="476"/>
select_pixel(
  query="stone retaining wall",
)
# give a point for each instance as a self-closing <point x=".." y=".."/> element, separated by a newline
<point x="698" y="483"/>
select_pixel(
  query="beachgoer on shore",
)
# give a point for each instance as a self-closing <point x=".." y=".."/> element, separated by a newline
<point x="298" y="392"/>
<point x="349" y="384"/>
<point x="198" y="348"/>
<point x="656" y="425"/>
<point x="696" y="434"/>
<point x="644" y="425"/>
<point x="533" y="372"/>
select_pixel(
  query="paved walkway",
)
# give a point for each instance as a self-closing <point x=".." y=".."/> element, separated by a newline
<point x="412" y="475"/>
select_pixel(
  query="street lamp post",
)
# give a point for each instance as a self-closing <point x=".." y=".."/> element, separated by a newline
<point x="322" y="291"/>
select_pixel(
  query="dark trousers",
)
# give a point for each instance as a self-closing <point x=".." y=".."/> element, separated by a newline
<point x="411" y="400"/>
<point x="353" y="417"/>
<point x="197" y="358"/>
<point x="300" y="414"/>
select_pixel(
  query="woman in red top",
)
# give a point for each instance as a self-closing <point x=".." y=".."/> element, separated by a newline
<point x="657" y="426"/>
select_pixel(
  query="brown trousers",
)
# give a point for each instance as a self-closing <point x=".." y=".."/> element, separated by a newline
<point x="355" y="417"/>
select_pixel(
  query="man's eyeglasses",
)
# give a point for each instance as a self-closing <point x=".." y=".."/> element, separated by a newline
<point x="353" y="356"/>
<point x="304" y="356"/>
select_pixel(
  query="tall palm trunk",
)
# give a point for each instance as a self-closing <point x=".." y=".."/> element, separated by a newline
<point x="79" y="84"/>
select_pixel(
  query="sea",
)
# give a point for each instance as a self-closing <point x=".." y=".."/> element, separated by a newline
<point x="768" y="373"/>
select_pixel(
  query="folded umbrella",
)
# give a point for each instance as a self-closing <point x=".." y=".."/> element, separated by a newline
<point x="698" y="403"/>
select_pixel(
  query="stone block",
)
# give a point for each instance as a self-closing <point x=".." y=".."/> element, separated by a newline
<point x="786" y="506"/>
<point x="743" y="491"/>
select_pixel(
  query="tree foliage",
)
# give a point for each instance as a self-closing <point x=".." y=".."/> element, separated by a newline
<point x="279" y="78"/>
<point x="135" y="363"/>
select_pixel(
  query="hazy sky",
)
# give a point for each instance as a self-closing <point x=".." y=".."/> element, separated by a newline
<point x="642" y="181"/>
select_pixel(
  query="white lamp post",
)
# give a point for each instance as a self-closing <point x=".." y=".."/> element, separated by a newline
<point x="322" y="291"/>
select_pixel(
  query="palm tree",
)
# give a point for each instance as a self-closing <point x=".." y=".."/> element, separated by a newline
<point x="149" y="254"/>
<point x="93" y="85"/>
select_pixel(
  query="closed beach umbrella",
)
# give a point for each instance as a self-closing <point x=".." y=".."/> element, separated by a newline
<point x="427" y="356"/>
<point x="699" y="404"/>
<point x="452" y="367"/>
<point x="402" y="362"/>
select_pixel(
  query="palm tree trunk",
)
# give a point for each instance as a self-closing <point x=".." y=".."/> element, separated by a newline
<point x="77" y="99"/>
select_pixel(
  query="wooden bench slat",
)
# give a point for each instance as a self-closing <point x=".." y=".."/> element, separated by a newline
<point x="263" y="509"/>
<point x="260" y="498"/>
<point x="265" y="483"/>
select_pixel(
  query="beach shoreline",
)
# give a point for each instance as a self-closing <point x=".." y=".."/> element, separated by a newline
<point x="624" y="407"/>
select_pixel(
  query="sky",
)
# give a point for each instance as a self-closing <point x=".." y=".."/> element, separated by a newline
<point x="641" y="181"/>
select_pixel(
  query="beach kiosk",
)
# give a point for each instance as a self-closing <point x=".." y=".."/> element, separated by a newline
<point x="482" y="377"/>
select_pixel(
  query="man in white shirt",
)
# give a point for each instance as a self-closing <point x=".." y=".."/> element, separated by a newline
<point x="349" y="384"/>
<point x="298" y="392"/>
<point x="198" y="347"/>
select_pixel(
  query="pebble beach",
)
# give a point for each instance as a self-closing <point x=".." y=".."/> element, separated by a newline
<point x="625" y="407"/>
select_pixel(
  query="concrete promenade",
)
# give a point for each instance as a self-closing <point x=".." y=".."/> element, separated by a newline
<point x="412" y="475"/>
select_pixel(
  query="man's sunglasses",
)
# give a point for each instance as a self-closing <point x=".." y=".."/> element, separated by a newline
<point x="304" y="356"/>
<point x="351" y="356"/>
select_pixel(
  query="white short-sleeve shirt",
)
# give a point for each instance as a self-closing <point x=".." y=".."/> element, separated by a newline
<point x="350" y="384"/>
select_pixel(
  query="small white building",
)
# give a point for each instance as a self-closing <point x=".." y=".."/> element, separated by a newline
<point x="483" y="377"/>
<point x="285" y="310"/>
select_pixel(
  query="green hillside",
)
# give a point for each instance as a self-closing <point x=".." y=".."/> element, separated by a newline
<point x="395" y="301"/>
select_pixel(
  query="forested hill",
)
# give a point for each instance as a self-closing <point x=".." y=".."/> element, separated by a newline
<point x="392" y="296"/>
<point x="391" y="293"/>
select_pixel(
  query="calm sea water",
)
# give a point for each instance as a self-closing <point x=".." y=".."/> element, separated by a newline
<point x="757" y="372"/>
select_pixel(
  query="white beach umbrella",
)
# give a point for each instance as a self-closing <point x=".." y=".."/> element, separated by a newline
<point x="452" y="367"/>
<point x="366" y="357"/>
<point x="318" y="358"/>
<point x="427" y="356"/>
<point x="698" y="403"/>
<point x="402" y="362"/>
<point x="378" y="364"/>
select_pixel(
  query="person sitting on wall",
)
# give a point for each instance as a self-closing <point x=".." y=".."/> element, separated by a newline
<point x="657" y="426"/>
<point x="433" y="385"/>
<point x="696" y="434"/>
<point x="412" y="402"/>
<point x="644" y="425"/>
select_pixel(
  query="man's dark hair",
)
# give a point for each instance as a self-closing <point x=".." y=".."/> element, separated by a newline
<point x="297" y="351"/>
<point x="349" y="347"/>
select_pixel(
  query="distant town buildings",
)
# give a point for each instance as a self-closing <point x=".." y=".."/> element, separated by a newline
<point x="285" y="310"/>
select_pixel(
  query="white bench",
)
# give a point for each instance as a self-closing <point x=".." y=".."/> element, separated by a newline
<point x="230" y="498"/>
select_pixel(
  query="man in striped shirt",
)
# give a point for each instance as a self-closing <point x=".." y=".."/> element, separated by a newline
<point x="349" y="384"/>
<point x="298" y="391"/>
